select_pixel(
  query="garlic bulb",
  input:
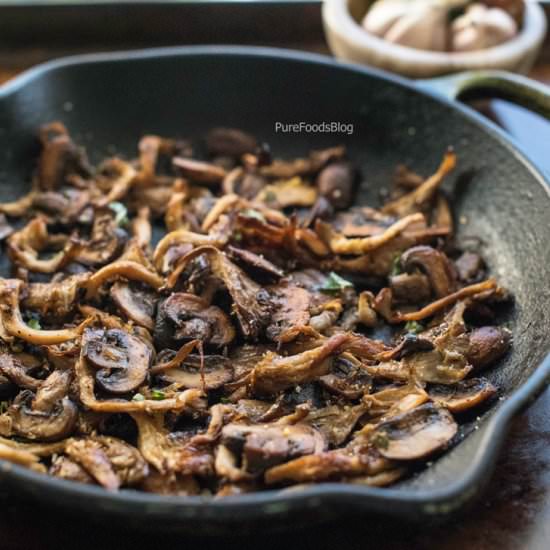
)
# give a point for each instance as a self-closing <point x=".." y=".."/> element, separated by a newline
<point x="418" y="24"/>
<point x="481" y="27"/>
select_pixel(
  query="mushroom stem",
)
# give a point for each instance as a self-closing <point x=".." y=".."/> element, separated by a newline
<point x="442" y="303"/>
<point x="125" y="268"/>
<point x="15" y="326"/>
<point x="191" y="398"/>
<point x="178" y="359"/>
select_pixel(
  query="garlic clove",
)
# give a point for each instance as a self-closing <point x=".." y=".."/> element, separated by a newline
<point x="383" y="15"/>
<point x="424" y="27"/>
<point x="481" y="27"/>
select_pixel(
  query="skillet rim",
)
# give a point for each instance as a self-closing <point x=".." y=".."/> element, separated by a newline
<point x="412" y="504"/>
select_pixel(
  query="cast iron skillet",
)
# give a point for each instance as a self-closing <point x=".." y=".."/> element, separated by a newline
<point x="108" y="101"/>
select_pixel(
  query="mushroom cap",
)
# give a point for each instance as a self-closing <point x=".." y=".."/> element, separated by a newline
<point x="415" y="434"/>
<point x="137" y="304"/>
<point x="122" y="359"/>
<point x="217" y="372"/>
<point x="42" y="425"/>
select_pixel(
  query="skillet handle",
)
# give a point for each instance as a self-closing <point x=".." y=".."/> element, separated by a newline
<point x="493" y="84"/>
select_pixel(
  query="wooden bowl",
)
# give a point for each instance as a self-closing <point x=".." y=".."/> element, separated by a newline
<point x="349" y="41"/>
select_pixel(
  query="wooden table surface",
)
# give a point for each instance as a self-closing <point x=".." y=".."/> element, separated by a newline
<point x="513" y="515"/>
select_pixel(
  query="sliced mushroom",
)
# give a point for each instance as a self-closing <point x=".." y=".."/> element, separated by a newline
<point x="136" y="303"/>
<point x="275" y="372"/>
<point x="435" y="265"/>
<point x="470" y="267"/>
<point x="57" y="298"/>
<point x="47" y="416"/>
<point x="214" y="373"/>
<point x="347" y="379"/>
<point x="415" y="434"/>
<point x="335" y="182"/>
<point x="255" y="263"/>
<point x="336" y="422"/>
<point x="251" y="301"/>
<point x="122" y="360"/>
<point x="463" y="395"/>
<point x="291" y="312"/>
<point x="60" y="157"/>
<point x="106" y="241"/>
<point x="230" y="142"/>
<point x="65" y="468"/>
<point x="184" y="317"/>
<point x="487" y="345"/>
<point x="15" y="370"/>
<point x="261" y="447"/>
<point x="204" y="172"/>
<point x="410" y="288"/>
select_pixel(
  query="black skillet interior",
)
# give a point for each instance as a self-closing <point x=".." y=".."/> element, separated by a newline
<point x="107" y="102"/>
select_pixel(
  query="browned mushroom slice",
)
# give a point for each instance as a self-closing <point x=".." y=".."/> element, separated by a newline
<point x="15" y="370"/>
<point x="291" y="312"/>
<point x="13" y="324"/>
<point x="65" y="468"/>
<point x="60" y="157"/>
<point x="137" y="304"/>
<point x="339" y="244"/>
<point x="122" y="360"/>
<point x="470" y="267"/>
<point x="410" y="288"/>
<point x="302" y="166"/>
<point x="414" y="434"/>
<point x="335" y="182"/>
<point x="230" y="142"/>
<point x="204" y="172"/>
<point x="171" y="452"/>
<point x="57" y="298"/>
<point x="347" y="379"/>
<point x="215" y="372"/>
<point x="184" y="317"/>
<point x="106" y="241"/>
<point x="435" y="265"/>
<point x="122" y="268"/>
<point x="47" y="416"/>
<point x="275" y="373"/>
<point x="251" y="301"/>
<point x="288" y="192"/>
<point x="261" y="447"/>
<point x="254" y="263"/>
<point x="463" y="395"/>
<point x="170" y="484"/>
<point x="318" y="467"/>
<point x="127" y="462"/>
<point x="487" y="345"/>
<point x="489" y="285"/>
<point x="421" y="195"/>
<point x="336" y="422"/>
<point x="25" y="245"/>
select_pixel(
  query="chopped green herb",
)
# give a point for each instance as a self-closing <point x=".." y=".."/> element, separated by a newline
<point x="251" y="213"/>
<point x="138" y="397"/>
<point x="237" y="236"/>
<point x="157" y="395"/>
<point x="121" y="213"/>
<point x="34" y="323"/>
<point x="270" y="196"/>
<point x="4" y="406"/>
<point x="380" y="440"/>
<point x="224" y="400"/>
<point x="335" y="283"/>
<point x="396" y="265"/>
<point x="414" y="327"/>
